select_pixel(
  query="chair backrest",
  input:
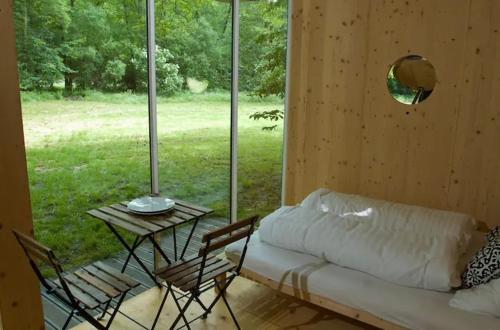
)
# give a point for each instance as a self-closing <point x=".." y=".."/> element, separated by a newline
<point x="234" y="232"/>
<point x="224" y="236"/>
<point x="39" y="253"/>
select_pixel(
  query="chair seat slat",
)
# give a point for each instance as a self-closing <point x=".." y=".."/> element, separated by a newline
<point x="207" y="277"/>
<point x="107" y="278"/>
<point x="189" y="272"/>
<point x="182" y="265"/>
<point x="98" y="295"/>
<point x="85" y="299"/>
<point x="98" y="283"/>
<point x="219" y="263"/>
<point x="115" y="273"/>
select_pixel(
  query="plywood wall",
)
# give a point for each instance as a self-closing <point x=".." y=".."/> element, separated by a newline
<point x="20" y="303"/>
<point x="346" y="132"/>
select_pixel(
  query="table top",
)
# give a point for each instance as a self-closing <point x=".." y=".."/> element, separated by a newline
<point x="144" y="225"/>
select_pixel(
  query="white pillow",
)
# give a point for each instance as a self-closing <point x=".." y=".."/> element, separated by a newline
<point x="393" y="215"/>
<point x="483" y="299"/>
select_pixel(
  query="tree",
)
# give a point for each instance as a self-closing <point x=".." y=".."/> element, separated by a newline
<point x="40" y="27"/>
<point x="271" y="68"/>
<point x="97" y="44"/>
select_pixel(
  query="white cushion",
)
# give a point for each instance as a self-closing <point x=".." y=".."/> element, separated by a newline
<point x="404" y="244"/>
<point x="409" y="307"/>
<point x="483" y="299"/>
<point x="393" y="215"/>
<point x="400" y="256"/>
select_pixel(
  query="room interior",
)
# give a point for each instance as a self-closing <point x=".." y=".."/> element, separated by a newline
<point x="344" y="132"/>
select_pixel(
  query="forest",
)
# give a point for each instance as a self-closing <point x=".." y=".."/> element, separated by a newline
<point x="78" y="45"/>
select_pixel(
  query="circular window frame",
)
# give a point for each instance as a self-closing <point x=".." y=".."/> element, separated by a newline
<point x="412" y="97"/>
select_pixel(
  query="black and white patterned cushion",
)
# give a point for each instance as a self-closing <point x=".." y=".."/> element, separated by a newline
<point x="484" y="265"/>
<point x="493" y="234"/>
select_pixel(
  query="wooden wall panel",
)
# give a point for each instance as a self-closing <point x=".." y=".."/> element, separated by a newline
<point x="20" y="303"/>
<point x="325" y="111"/>
<point x="347" y="133"/>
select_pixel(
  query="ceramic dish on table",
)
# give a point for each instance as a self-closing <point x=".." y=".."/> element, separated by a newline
<point x="150" y="205"/>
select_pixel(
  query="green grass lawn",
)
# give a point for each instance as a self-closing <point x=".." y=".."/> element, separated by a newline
<point x="86" y="152"/>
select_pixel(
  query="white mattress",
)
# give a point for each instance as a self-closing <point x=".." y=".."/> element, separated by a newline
<point x="409" y="307"/>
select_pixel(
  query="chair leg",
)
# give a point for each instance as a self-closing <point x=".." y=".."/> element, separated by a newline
<point x="68" y="319"/>
<point x="230" y="312"/>
<point x="181" y="312"/>
<point x="180" y="309"/>
<point x="221" y="292"/>
<point x="104" y="311"/>
<point x="202" y="305"/>
<point x="115" y="311"/>
<point x="161" y="308"/>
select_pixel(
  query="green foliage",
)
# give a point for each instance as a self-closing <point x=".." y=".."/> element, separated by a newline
<point x="271" y="69"/>
<point x="400" y="92"/>
<point x="168" y="79"/>
<point x="114" y="73"/>
<point x="95" y="44"/>
<point x="40" y="27"/>
<point x="272" y="115"/>
<point x="272" y="39"/>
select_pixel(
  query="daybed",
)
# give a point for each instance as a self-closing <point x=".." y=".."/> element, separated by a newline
<point x="353" y="293"/>
<point x="387" y="264"/>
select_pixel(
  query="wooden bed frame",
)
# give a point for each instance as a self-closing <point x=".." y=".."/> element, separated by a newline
<point x="318" y="300"/>
<point x="328" y="303"/>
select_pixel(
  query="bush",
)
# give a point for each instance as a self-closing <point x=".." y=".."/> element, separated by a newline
<point x="168" y="80"/>
<point x="113" y="74"/>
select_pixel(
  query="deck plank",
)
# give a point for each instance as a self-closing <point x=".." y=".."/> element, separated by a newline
<point x="55" y="312"/>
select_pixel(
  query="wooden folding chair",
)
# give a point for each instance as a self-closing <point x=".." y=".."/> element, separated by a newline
<point x="196" y="274"/>
<point x="89" y="288"/>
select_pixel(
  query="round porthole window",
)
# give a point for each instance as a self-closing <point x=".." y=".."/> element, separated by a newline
<point x="411" y="79"/>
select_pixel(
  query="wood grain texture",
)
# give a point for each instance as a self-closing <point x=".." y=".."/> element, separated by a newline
<point x="20" y="302"/>
<point x="255" y="306"/>
<point x="323" y="302"/>
<point x="348" y="134"/>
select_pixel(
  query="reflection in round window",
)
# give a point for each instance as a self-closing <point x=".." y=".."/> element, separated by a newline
<point x="411" y="79"/>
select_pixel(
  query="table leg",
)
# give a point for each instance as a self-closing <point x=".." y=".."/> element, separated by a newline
<point x="131" y="252"/>
<point x="175" y="243"/>
<point x="156" y="255"/>
<point x="189" y="237"/>
<point x="157" y="248"/>
<point x="138" y="241"/>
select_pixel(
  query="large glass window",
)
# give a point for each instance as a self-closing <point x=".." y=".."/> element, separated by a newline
<point x="263" y="32"/>
<point x="83" y="76"/>
<point x="82" y="67"/>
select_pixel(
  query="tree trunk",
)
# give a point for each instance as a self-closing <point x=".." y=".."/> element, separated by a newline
<point x="68" y="78"/>
<point x="68" y="83"/>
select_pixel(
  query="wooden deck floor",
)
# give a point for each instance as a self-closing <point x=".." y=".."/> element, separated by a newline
<point x="55" y="313"/>
<point x="256" y="306"/>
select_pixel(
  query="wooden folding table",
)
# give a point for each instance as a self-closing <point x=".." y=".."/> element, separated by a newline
<point x="148" y="227"/>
